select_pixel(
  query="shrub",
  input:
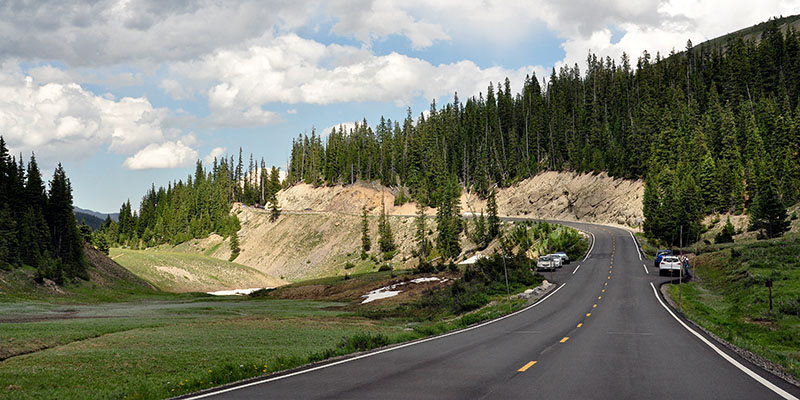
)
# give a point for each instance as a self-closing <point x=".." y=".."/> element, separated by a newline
<point x="385" y="267"/>
<point x="349" y="265"/>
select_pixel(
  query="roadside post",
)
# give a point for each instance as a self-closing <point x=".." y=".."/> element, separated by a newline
<point x="680" y="274"/>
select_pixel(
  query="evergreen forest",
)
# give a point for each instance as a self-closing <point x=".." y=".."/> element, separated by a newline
<point x="37" y="225"/>
<point x="708" y="128"/>
<point x="194" y="208"/>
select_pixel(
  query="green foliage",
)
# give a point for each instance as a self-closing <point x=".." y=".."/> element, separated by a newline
<point x="385" y="236"/>
<point x="385" y="267"/>
<point x="421" y="236"/>
<point x="493" y="220"/>
<point x="731" y="300"/>
<point x="235" y="250"/>
<point x="726" y="234"/>
<point x="37" y="226"/>
<point x="769" y="214"/>
<point x="366" y="243"/>
<point x="448" y="220"/>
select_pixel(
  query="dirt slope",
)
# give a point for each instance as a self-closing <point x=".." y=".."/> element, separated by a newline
<point x="319" y="230"/>
<point x="553" y="195"/>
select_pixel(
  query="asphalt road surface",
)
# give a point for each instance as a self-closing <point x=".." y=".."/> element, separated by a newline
<point x="605" y="333"/>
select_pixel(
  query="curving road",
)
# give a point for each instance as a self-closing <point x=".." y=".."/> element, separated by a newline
<point x="603" y="334"/>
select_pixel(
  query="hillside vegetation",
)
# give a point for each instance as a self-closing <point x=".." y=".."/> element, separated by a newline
<point x="728" y="296"/>
<point x="178" y="272"/>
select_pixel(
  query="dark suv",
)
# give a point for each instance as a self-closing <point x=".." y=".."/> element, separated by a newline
<point x="659" y="255"/>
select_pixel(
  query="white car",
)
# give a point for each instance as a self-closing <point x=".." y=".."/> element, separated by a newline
<point x="564" y="257"/>
<point x="545" y="262"/>
<point x="556" y="260"/>
<point x="669" y="265"/>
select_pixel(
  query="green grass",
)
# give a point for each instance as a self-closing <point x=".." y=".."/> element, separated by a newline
<point x="180" y="271"/>
<point x="162" y="348"/>
<point x="172" y="344"/>
<point x="728" y="297"/>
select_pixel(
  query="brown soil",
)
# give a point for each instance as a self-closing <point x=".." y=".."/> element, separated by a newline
<point x="319" y="229"/>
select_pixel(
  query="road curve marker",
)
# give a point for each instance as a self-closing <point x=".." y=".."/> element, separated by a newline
<point x="748" y="371"/>
<point x="526" y="366"/>
<point x="374" y="353"/>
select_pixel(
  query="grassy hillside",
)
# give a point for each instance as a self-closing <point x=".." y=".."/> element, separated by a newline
<point x="108" y="281"/>
<point x="728" y="296"/>
<point x="179" y="271"/>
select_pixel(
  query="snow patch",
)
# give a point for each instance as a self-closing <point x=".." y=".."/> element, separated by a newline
<point x="472" y="260"/>
<point x="235" y="292"/>
<point x="391" y="290"/>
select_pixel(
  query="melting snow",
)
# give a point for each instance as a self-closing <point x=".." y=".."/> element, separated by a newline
<point x="472" y="260"/>
<point x="389" y="291"/>
<point x="235" y="292"/>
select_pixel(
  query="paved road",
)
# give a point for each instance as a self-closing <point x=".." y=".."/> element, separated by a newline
<point x="604" y="334"/>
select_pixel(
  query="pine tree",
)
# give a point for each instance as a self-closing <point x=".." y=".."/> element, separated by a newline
<point x="66" y="242"/>
<point x="421" y="236"/>
<point x="769" y="213"/>
<point x="493" y="220"/>
<point x="480" y="235"/>
<point x="366" y="243"/>
<point x="385" y="237"/>
<point x="726" y="234"/>
<point x="234" y="246"/>
<point x="274" y="208"/>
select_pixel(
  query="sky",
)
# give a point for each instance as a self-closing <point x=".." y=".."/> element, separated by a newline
<point x="126" y="94"/>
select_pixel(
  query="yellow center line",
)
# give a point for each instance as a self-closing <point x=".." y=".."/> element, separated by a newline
<point x="588" y="314"/>
<point x="580" y="325"/>
<point x="607" y="282"/>
<point x="564" y="339"/>
<point x="526" y="366"/>
<point x="609" y="277"/>
<point x="599" y="297"/>
<point x="603" y="290"/>
<point x="594" y="306"/>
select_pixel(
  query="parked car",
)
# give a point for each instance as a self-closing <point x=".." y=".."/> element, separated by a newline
<point x="556" y="260"/>
<point x="545" y="263"/>
<point x="669" y="265"/>
<point x="659" y="255"/>
<point x="564" y="257"/>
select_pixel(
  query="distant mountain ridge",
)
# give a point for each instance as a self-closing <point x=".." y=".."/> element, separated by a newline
<point x="102" y="216"/>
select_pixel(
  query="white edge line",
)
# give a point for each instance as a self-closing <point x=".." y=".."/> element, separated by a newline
<point x="645" y="269"/>
<point x="758" y="378"/>
<point x="305" y="371"/>
<point x="590" y="248"/>
<point x="635" y="243"/>
<point x="576" y="269"/>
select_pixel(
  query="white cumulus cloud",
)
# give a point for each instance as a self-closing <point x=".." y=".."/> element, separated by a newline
<point x="292" y="70"/>
<point x="216" y="152"/>
<point x="63" y="121"/>
<point x="164" y="155"/>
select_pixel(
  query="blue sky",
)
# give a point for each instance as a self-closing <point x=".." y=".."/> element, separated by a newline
<point x="130" y="93"/>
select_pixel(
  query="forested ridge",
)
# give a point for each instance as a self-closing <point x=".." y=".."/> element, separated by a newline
<point x="193" y="208"/>
<point x="37" y="226"/>
<point x="708" y="128"/>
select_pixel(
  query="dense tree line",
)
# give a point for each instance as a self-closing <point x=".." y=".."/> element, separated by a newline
<point x="194" y="208"/>
<point x="707" y="128"/>
<point x="37" y="226"/>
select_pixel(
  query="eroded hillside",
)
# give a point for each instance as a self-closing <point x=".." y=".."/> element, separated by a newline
<point x="319" y="231"/>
